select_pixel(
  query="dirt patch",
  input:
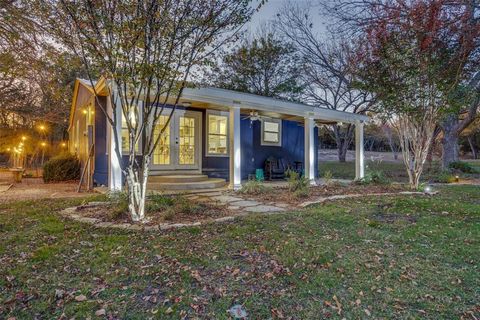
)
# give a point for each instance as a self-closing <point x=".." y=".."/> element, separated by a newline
<point x="34" y="189"/>
<point x="173" y="210"/>
<point x="282" y="194"/>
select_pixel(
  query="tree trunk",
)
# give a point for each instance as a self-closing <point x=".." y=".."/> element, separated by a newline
<point x="449" y="141"/>
<point x="343" y="140"/>
<point x="472" y="147"/>
<point x="342" y="151"/>
<point x="137" y="179"/>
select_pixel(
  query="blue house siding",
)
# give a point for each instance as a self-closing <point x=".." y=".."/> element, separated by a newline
<point x="253" y="153"/>
<point x="100" y="174"/>
<point x="292" y="148"/>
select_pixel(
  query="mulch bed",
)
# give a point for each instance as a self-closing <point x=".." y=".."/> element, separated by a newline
<point x="193" y="211"/>
<point x="282" y="194"/>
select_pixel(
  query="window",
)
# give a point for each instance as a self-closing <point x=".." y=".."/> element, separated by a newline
<point x="125" y="137"/>
<point x="272" y="132"/>
<point x="217" y="133"/>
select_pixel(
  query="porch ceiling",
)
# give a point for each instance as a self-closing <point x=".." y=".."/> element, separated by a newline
<point x="221" y="99"/>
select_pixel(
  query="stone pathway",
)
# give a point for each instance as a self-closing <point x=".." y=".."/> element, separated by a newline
<point x="238" y="203"/>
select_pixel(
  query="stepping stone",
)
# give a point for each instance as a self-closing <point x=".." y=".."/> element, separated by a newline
<point x="224" y="219"/>
<point x="226" y="199"/>
<point x="245" y="203"/>
<point x="281" y="205"/>
<point x="233" y="208"/>
<point x="263" y="208"/>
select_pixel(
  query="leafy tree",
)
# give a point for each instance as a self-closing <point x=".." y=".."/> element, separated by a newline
<point x="414" y="60"/>
<point x="146" y="51"/>
<point x="265" y="65"/>
<point x="326" y="71"/>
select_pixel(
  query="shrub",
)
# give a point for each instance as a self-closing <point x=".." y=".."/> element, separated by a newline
<point x="63" y="167"/>
<point x="445" y="177"/>
<point x="374" y="177"/>
<point x="298" y="184"/>
<point x="158" y="202"/>
<point x="327" y="177"/>
<point x="118" y="203"/>
<point x="464" y="167"/>
<point x="254" y="187"/>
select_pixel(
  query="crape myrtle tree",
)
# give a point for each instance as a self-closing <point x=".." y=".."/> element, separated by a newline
<point x="351" y="17"/>
<point x="263" y="64"/>
<point x="413" y="57"/>
<point x="326" y="70"/>
<point x="146" y="50"/>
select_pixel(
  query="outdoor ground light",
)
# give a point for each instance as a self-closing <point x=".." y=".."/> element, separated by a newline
<point x="428" y="189"/>
<point x="24" y="138"/>
<point x="457" y="178"/>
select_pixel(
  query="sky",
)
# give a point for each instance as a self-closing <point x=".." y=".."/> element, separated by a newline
<point x="270" y="9"/>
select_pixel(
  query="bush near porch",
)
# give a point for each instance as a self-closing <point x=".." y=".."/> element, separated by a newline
<point x="391" y="257"/>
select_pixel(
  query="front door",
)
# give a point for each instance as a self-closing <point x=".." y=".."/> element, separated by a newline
<point x="180" y="144"/>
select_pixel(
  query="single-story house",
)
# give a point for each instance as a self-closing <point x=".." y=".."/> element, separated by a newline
<point x="215" y="136"/>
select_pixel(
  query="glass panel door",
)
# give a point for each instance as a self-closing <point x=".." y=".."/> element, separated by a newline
<point x="179" y="146"/>
<point x="186" y="140"/>
<point x="162" y="153"/>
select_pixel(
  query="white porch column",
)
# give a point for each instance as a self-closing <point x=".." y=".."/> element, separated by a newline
<point x="309" y="150"/>
<point x="114" y="167"/>
<point x="359" y="157"/>
<point x="235" y="149"/>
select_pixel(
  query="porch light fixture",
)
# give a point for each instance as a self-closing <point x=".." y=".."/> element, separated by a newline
<point x="43" y="144"/>
<point x="24" y="138"/>
<point x="186" y="104"/>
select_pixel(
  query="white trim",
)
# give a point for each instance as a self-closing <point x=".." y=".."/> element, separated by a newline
<point x="359" y="154"/>
<point x="225" y="97"/>
<point x="207" y="128"/>
<point x="235" y="149"/>
<point x="114" y="167"/>
<point x="262" y="132"/>
<point x="309" y="149"/>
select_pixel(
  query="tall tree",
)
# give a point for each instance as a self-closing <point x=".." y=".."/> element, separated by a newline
<point x="326" y="71"/>
<point x="146" y="50"/>
<point x="351" y="17"/>
<point x="266" y="65"/>
<point x="414" y="59"/>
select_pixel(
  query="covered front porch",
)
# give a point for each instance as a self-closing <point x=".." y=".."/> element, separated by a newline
<point x="218" y="137"/>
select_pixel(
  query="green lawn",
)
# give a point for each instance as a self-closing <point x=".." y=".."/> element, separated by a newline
<point x="394" y="258"/>
<point x="395" y="171"/>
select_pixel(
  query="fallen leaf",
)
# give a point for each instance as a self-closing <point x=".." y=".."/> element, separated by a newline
<point x="80" y="298"/>
<point x="100" y="312"/>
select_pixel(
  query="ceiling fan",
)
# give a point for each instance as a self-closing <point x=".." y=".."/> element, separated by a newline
<point x="254" y="116"/>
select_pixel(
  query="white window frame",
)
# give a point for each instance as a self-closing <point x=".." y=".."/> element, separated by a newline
<point x="207" y="132"/>
<point x="262" y="132"/>
<point x="140" y="141"/>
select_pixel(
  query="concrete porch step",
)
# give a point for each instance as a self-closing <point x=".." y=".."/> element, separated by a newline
<point x="195" y="185"/>
<point x="178" y="178"/>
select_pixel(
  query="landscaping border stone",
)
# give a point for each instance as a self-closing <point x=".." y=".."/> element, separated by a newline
<point x="262" y="209"/>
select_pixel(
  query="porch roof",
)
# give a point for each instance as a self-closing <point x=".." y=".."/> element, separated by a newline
<point x="224" y="97"/>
